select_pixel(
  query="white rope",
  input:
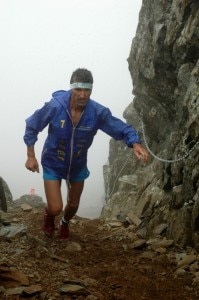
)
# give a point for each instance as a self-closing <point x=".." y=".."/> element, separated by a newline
<point x="152" y="154"/>
<point x="183" y="157"/>
<point x="119" y="174"/>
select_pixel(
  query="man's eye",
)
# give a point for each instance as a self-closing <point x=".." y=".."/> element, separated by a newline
<point x="79" y="90"/>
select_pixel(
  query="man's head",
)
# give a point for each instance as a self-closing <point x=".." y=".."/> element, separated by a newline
<point x="81" y="84"/>
<point x="81" y="78"/>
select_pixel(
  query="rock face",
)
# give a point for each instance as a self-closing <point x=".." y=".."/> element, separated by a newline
<point x="5" y="195"/>
<point x="164" y="66"/>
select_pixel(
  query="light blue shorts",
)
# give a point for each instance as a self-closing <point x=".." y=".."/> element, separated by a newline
<point x="83" y="174"/>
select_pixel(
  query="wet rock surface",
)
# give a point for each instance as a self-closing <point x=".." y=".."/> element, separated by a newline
<point x="104" y="259"/>
<point x="164" y="67"/>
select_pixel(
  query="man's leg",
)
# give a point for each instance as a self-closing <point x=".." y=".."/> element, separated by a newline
<point x="54" y="205"/>
<point x="74" y="193"/>
<point x="53" y="196"/>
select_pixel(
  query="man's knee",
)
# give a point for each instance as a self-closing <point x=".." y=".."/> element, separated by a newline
<point x="73" y="204"/>
<point x="55" y="209"/>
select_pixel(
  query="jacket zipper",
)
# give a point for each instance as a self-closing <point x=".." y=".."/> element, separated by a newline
<point x="72" y="143"/>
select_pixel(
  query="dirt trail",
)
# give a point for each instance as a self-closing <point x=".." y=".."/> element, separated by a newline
<point x="98" y="261"/>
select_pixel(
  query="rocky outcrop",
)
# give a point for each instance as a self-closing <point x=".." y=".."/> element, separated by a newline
<point x="164" y="66"/>
<point x="5" y="195"/>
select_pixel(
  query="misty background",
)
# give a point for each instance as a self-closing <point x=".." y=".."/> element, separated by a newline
<point x="42" y="43"/>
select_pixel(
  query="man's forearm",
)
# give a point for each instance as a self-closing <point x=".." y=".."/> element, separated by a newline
<point x="31" y="151"/>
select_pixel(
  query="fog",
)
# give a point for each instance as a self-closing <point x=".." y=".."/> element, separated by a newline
<point x="42" y="43"/>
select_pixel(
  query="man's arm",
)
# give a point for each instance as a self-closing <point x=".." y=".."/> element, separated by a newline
<point x="119" y="130"/>
<point x="35" y="124"/>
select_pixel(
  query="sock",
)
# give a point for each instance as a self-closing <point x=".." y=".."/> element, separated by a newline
<point x="64" y="222"/>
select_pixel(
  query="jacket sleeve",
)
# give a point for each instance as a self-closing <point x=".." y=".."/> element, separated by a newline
<point x="118" y="129"/>
<point x="37" y="122"/>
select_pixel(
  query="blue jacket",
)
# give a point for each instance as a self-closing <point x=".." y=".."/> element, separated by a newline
<point x="65" y="149"/>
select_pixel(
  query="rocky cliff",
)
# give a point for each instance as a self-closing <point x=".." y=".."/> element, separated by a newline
<point x="5" y="195"/>
<point x="161" y="198"/>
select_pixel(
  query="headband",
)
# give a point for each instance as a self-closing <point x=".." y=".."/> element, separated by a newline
<point x="81" y="85"/>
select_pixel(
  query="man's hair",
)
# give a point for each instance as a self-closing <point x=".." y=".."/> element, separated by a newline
<point x="81" y="75"/>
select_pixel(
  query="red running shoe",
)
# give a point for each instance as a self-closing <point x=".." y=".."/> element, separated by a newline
<point x="63" y="231"/>
<point x="48" y="225"/>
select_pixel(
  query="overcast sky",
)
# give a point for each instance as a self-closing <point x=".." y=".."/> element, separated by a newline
<point x="42" y="43"/>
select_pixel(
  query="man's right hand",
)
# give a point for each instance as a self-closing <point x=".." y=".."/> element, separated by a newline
<point x="32" y="164"/>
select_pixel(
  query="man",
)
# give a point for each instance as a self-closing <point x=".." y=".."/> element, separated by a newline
<point x="73" y="120"/>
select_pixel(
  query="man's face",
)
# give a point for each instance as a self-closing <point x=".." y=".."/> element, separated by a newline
<point x="80" y="97"/>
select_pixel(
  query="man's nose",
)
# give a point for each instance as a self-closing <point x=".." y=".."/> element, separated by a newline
<point x="82" y="94"/>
